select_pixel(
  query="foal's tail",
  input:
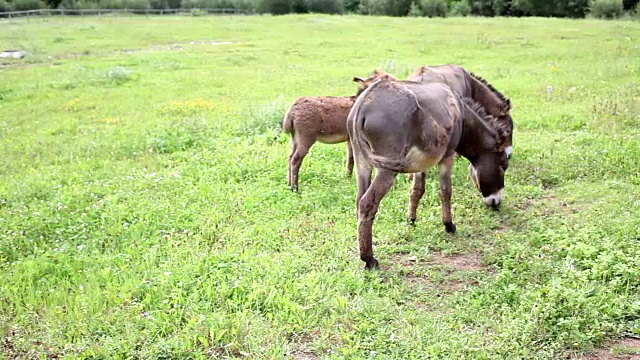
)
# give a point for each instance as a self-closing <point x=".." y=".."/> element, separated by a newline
<point x="287" y="121"/>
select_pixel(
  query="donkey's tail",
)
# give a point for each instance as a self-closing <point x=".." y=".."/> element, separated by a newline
<point x="287" y="121"/>
<point x="397" y="165"/>
<point x="361" y="145"/>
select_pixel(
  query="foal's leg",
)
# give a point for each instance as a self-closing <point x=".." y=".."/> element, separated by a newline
<point x="417" y="190"/>
<point x="302" y="148"/>
<point x="349" y="159"/>
<point x="293" y="151"/>
<point x="367" y="209"/>
<point x="445" y="166"/>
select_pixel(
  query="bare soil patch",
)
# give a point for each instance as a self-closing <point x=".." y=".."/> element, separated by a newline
<point x="461" y="262"/>
<point x="627" y="348"/>
<point x="301" y="349"/>
<point x="449" y="285"/>
<point x="458" y="262"/>
<point x="301" y="355"/>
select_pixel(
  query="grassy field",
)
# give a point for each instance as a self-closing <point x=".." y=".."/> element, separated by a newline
<point x="144" y="212"/>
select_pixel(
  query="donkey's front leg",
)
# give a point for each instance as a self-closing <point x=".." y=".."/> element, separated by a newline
<point x="417" y="190"/>
<point x="445" y="166"/>
<point x="367" y="209"/>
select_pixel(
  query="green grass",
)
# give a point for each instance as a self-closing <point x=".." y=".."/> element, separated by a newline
<point x="144" y="211"/>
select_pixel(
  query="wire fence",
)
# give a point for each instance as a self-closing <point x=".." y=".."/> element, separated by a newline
<point x="93" y="12"/>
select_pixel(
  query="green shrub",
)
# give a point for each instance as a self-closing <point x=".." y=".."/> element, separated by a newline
<point x="460" y="8"/>
<point x="522" y="7"/>
<point x="230" y="4"/>
<point x="159" y="4"/>
<point x="606" y="9"/>
<point x="276" y="7"/>
<point x="434" y="8"/>
<point x="372" y="7"/>
<point x="300" y="6"/>
<point x="414" y="10"/>
<point x="351" y="6"/>
<point x="325" y="6"/>
<point x="5" y="6"/>
<point x="385" y="7"/>
<point x="136" y="4"/>
<point x="571" y="8"/>
<point x="190" y="4"/>
<point x="556" y="8"/>
<point x="22" y="5"/>
<point x="482" y="7"/>
<point x="500" y="7"/>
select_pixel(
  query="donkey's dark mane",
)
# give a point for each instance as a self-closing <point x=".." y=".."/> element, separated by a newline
<point x="487" y="118"/>
<point x="479" y="109"/>
<point x="494" y="90"/>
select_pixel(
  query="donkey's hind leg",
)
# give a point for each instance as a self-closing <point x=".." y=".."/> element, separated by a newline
<point x="445" y="167"/>
<point x="363" y="180"/>
<point x="367" y="210"/>
<point x="295" y="161"/>
<point x="417" y="190"/>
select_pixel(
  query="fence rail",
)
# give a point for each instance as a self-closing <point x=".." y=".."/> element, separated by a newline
<point x="83" y="12"/>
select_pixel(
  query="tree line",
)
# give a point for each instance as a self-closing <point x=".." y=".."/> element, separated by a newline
<point x="431" y="8"/>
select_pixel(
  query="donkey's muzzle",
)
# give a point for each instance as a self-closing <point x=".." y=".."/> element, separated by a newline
<point x="493" y="199"/>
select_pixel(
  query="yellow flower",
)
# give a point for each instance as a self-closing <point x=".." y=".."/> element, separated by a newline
<point x="72" y="105"/>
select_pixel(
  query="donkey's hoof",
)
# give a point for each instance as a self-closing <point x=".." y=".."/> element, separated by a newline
<point x="450" y="227"/>
<point x="372" y="264"/>
<point x="411" y="221"/>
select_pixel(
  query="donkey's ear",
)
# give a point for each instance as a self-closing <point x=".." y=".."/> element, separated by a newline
<point x="507" y="106"/>
<point x="503" y="129"/>
<point x="357" y="79"/>
<point x="504" y="109"/>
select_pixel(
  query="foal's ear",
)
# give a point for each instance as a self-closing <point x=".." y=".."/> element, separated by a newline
<point x="389" y="77"/>
<point x="359" y="80"/>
